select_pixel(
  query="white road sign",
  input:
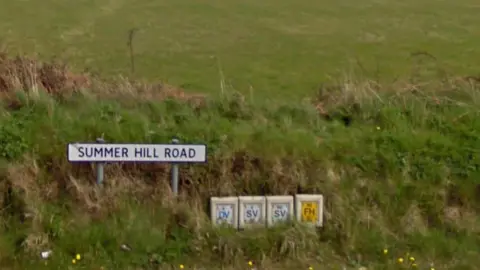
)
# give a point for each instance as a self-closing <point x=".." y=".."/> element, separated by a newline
<point x="93" y="152"/>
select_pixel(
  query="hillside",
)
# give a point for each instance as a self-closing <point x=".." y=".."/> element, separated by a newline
<point x="372" y="103"/>
<point x="401" y="174"/>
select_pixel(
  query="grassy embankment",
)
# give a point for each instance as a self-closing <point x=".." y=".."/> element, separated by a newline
<point x="403" y="176"/>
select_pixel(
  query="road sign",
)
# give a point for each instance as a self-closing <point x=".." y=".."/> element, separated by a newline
<point x="224" y="211"/>
<point x="279" y="209"/>
<point x="309" y="212"/>
<point x="252" y="211"/>
<point x="309" y="208"/>
<point x="280" y="212"/>
<point x="225" y="214"/>
<point x="176" y="153"/>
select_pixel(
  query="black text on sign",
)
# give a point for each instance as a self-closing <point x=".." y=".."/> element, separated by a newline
<point x="137" y="152"/>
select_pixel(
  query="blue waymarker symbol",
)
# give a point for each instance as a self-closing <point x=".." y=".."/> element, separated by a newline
<point x="225" y="214"/>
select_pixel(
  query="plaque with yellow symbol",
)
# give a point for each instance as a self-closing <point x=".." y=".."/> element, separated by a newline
<point x="309" y="212"/>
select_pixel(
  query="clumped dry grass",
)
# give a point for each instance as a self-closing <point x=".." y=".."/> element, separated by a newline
<point x="398" y="165"/>
<point x="56" y="79"/>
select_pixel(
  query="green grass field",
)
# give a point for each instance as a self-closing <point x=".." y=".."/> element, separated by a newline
<point x="271" y="48"/>
<point x="402" y="177"/>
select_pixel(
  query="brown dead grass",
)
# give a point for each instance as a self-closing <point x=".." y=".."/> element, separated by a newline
<point x="346" y="211"/>
<point x="357" y="93"/>
<point x="57" y="79"/>
<point x="35" y="190"/>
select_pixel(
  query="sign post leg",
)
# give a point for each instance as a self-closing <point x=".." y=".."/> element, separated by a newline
<point x="100" y="166"/>
<point x="175" y="173"/>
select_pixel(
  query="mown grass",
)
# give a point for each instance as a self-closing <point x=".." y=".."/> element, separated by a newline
<point x="274" y="48"/>
<point x="403" y="175"/>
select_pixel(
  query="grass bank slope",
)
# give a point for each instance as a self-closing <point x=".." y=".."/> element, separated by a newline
<point x="398" y="165"/>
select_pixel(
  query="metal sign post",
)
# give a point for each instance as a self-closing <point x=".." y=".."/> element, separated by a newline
<point x="175" y="173"/>
<point x="100" y="166"/>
